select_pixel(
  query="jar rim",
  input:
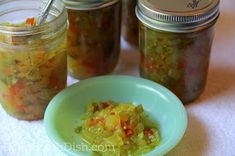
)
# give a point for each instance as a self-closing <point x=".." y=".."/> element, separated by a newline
<point x="88" y="5"/>
<point x="38" y="29"/>
<point x="176" y="21"/>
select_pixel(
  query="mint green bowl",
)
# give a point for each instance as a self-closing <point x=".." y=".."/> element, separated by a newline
<point x="65" y="110"/>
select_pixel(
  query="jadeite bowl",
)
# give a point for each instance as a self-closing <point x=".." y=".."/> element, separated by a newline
<point x="65" y="110"/>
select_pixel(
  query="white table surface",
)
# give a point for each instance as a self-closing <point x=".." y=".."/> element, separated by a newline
<point x="211" y="127"/>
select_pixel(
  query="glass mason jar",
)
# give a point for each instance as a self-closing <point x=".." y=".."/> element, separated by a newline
<point x="129" y="22"/>
<point x="33" y="64"/>
<point x="93" y="37"/>
<point x="175" y="43"/>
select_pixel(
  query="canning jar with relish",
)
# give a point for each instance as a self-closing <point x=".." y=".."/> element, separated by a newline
<point x="175" y="43"/>
<point x="129" y="22"/>
<point x="33" y="64"/>
<point x="93" y="37"/>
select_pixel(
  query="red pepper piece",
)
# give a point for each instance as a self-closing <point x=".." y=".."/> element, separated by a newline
<point x="31" y="21"/>
<point x="104" y="104"/>
<point x="91" y="123"/>
<point x="127" y="128"/>
<point x="95" y="108"/>
<point x="100" y="120"/>
<point x="148" y="132"/>
<point x="129" y="132"/>
<point x="7" y="71"/>
<point x="131" y="126"/>
<point x="112" y="113"/>
<point x="16" y="88"/>
<point x="182" y="65"/>
<point x="124" y="125"/>
<point x="53" y="81"/>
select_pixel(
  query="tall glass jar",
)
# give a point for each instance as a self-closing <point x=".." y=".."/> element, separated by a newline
<point x="175" y="43"/>
<point x="93" y="37"/>
<point x="33" y="64"/>
<point x="129" y="22"/>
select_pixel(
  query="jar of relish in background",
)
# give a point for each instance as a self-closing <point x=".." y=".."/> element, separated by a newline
<point x="93" y="37"/>
<point x="129" y="22"/>
<point x="33" y="64"/>
<point x="175" y="43"/>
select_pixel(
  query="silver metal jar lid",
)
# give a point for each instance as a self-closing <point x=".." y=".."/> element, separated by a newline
<point x="88" y="4"/>
<point x="177" y="16"/>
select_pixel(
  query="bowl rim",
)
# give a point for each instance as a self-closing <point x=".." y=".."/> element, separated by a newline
<point x="162" y="148"/>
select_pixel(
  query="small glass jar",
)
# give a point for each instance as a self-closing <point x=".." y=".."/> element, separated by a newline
<point x="175" y="43"/>
<point x="93" y="37"/>
<point x="33" y="63"/>
<point x="129" y="22"/>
